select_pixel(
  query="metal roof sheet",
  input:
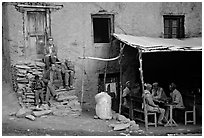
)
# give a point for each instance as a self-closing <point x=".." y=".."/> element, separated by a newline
<point x="150" y="44"/>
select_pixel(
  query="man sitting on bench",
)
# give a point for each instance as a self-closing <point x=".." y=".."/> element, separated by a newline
<point x="151" y="106"/>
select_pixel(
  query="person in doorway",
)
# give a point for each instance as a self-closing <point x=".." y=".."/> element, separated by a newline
<point x="38" y="88"/>
<point x="53" y="80"/>
<point x="68" y="74"/>
<point x="176" y="99"/>
<point x="126" y="93"/>
<point x="50" y="53"/>
<point x="151" y="106"/>
<point x="158" y="92"/>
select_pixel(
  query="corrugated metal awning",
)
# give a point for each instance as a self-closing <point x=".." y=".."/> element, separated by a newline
<point x="150" y="44"/>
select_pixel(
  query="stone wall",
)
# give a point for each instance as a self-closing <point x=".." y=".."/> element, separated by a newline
<point x="71" y="29"/>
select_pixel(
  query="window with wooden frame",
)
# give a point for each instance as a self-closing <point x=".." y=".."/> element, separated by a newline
<point x="102" y="27"/>
<point x="174" y="26"/>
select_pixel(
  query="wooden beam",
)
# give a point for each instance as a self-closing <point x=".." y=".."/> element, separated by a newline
<point x="142" y="81"/>
<point x="40" y="6"/>
<point x="121" y="87"/>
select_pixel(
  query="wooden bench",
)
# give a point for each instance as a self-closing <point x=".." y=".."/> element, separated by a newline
<point x="135" y="111"/>
<point x="138" y="111"/>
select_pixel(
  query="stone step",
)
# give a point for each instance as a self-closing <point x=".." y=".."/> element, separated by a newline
<point x="41" y="113"/>
<point x="30" y="117"/>
<point x="68" y="98"/>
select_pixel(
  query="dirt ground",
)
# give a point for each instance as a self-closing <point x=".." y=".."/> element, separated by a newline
<point x="84" y="125"/>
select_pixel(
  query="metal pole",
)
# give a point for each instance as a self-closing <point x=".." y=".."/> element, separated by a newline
<point x="142" y="81"/>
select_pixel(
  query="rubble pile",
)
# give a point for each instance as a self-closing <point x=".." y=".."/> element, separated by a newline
<point x="23" y="74"/>
<point x="123" y="123"/>
<point x="67" y="104"/>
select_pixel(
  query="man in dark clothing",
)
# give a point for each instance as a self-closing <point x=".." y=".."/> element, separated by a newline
<point x="38" y="88"/>
<point x="68" y="74"/>
<point x="50" y="53"/>
<point x="53" y="80"/>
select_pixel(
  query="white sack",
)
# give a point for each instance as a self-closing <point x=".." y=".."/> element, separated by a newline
<point x="103" y="105"/>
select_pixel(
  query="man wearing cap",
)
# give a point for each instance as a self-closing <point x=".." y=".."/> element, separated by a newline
<point x="176" y="98"/>
<point x="151" y="106"/>
<point x="53" y="80"/>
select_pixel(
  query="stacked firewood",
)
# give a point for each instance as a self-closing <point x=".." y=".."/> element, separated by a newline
<point x="23" y="75"/>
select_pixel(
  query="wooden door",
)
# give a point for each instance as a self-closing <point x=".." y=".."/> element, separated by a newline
<point x="36" y="33"/>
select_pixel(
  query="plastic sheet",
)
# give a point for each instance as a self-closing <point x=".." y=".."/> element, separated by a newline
<point x="103" y="105"/>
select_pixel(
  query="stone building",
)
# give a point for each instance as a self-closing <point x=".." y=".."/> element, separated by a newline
<point x="84" y="29"/>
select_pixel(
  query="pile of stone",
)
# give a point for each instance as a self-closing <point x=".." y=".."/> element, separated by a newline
<point x="31" y="113"/>
<point x="67" y="104"/>
<point x="23" y="74"/>
<point x="123" y="123"/>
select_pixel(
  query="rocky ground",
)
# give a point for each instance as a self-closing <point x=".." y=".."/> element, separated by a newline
<point x="83" y="125"/>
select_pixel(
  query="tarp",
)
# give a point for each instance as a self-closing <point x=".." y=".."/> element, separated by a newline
<point x="150" y="44"/>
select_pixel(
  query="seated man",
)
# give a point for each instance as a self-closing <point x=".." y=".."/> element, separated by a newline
<point x="53" y="80"/>
<point x="38" y="88"/>
<point x="151" y="106"/>
<point x="50" y="53"/>
<point x="68" y="74"/>
<point x="158" y="92"/>
<point x="176" y="98"/>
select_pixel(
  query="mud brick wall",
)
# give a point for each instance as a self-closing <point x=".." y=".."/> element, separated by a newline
<point x="71" y="28"/>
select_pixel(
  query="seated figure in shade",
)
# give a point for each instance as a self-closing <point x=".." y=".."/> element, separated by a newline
<point x="176" y="99"/>
<point x="151" y="106"/>
<point x="158" y="92"/>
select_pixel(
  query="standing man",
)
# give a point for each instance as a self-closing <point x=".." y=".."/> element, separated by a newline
<point x="126" y="93"/>
<point x="68" y="74"/>
<point x="38" y="88"/>
<point x="151" y="106"/>
<point x="176" y="98"/>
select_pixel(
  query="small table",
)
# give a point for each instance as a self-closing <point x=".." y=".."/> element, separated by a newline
<point x="171" y="121"/>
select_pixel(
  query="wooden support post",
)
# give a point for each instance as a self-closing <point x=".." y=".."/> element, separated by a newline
<point x="82" y="85"/>
<point x="25" y="24"/>
<point x="131" y="109"/>
<point x="105" y="73"/>
<point x="142" y="81"/>
<point x="194" y="110"/>
<point x="48" y="23"/>
<point x="121" y="87"/>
